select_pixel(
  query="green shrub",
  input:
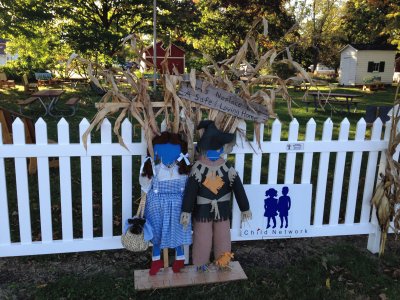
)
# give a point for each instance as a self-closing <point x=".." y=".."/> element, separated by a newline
<point x="283" y="70"/>
<point x="196" y="63"/>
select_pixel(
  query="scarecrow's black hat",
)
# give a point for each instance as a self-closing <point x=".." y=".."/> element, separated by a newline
<point x="213" y="138"/>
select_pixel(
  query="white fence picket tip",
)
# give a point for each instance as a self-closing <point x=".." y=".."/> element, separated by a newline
<point x="308" y="156"/>
<point x="274" y="157"/>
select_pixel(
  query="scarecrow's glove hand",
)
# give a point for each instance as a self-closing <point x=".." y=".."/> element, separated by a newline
<point x="185" y="218"/>
<point x="245" y="216"/>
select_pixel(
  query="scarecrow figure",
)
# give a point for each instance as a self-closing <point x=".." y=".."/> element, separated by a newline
<point x="164" y="180"/>
<point x="208" y="194"/>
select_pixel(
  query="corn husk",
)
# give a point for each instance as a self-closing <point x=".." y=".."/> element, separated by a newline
<point x="116" y="99"/>
<point x="386" y="198"/>
<point x="179" y="115"/>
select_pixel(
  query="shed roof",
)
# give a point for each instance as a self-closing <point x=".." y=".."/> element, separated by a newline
<point x="162" y="47"/>
<point x="359" y="47"/>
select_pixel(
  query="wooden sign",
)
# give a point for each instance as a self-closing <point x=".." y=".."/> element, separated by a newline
<point x="222" y="100"/>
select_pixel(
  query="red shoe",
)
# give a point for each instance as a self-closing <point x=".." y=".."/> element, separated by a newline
<point x="178" y="265"/>
<point x="156" y="265"/>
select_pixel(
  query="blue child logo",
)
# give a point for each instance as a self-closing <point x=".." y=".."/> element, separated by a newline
<point x="284" y="205"/>
<point x="272" y="206"/>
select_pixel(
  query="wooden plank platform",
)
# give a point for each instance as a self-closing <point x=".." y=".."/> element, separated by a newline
<point x="188" y="276"/>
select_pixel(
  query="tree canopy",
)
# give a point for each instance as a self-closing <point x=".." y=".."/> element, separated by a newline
<point x="45" y="32"/>
<point x="224" y="24"/>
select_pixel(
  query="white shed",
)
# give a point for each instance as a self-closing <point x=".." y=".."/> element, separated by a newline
<point x="359" y="62"/>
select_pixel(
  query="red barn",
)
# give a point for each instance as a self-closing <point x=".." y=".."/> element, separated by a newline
<point x="176" y="57"/>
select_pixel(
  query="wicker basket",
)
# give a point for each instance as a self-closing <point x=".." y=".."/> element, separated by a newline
<point x="134" y="242"/>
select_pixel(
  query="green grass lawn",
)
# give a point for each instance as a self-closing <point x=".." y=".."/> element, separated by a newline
<point x="336" y="270"/>
<point x="88" y="99"/>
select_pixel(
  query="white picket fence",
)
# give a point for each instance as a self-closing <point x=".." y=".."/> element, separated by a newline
<point x="106" y="149"/>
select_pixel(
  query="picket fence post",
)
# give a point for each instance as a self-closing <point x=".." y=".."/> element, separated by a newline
<point x="274" y="157"/>
<point x="65" y="183"/>
<point x="370" y="174"/>
<point x="308" y="156"/>
<point x="239" y="167"/>
<point x="106" y="182"/>
<point x="86" y="185"/>
<point x="291" y="156"/>
<point x="374" y="236"/>
<point x="257" y="158"/>
<point x="354" y="174"/>
<point x="339" y="175"/>
<point x="44" y="184"/>
<point x="21" y="176"/>
<point x="5" y="238"/>
<point x="322" y="175"/>
<point x="126" y="170"/>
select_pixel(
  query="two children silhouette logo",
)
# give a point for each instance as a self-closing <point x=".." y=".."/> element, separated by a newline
<point x="273" y="205"/>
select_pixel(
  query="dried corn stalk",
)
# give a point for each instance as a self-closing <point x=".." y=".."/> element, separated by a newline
<point x="387" y="194"/>
<point x="227" y="74"/>
<point x="123" y="98"/>
<point x="181" y="115"/>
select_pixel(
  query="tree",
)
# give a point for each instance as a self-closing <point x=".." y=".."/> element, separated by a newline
<point x="99" y="25"/>
<point x="224" y="24"/>
<point x="320" y="32"/>
<point x="364" y="21"/>
<point x="30" y="26"/>
<point x="23" y="17"/>
<point x="94" y="27"/>
<point x="392" y="27"/>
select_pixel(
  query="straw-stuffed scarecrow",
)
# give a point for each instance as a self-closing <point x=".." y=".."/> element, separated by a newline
<point x="163" y="180"/>
<point x="207" y="196"/>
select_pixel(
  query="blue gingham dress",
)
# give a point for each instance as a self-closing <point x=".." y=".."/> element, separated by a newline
<point x="163" y="210"/>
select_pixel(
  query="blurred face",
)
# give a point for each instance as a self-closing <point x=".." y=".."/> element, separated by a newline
<point x="214" y="154"/>
<point x="167" y="153"/>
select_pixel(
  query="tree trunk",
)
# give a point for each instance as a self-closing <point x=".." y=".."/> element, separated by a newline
<point x="315" y="57"/>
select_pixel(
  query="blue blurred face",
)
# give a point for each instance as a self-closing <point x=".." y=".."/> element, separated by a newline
<point x="167" y="153"/>
<point x="214" y="154"/>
